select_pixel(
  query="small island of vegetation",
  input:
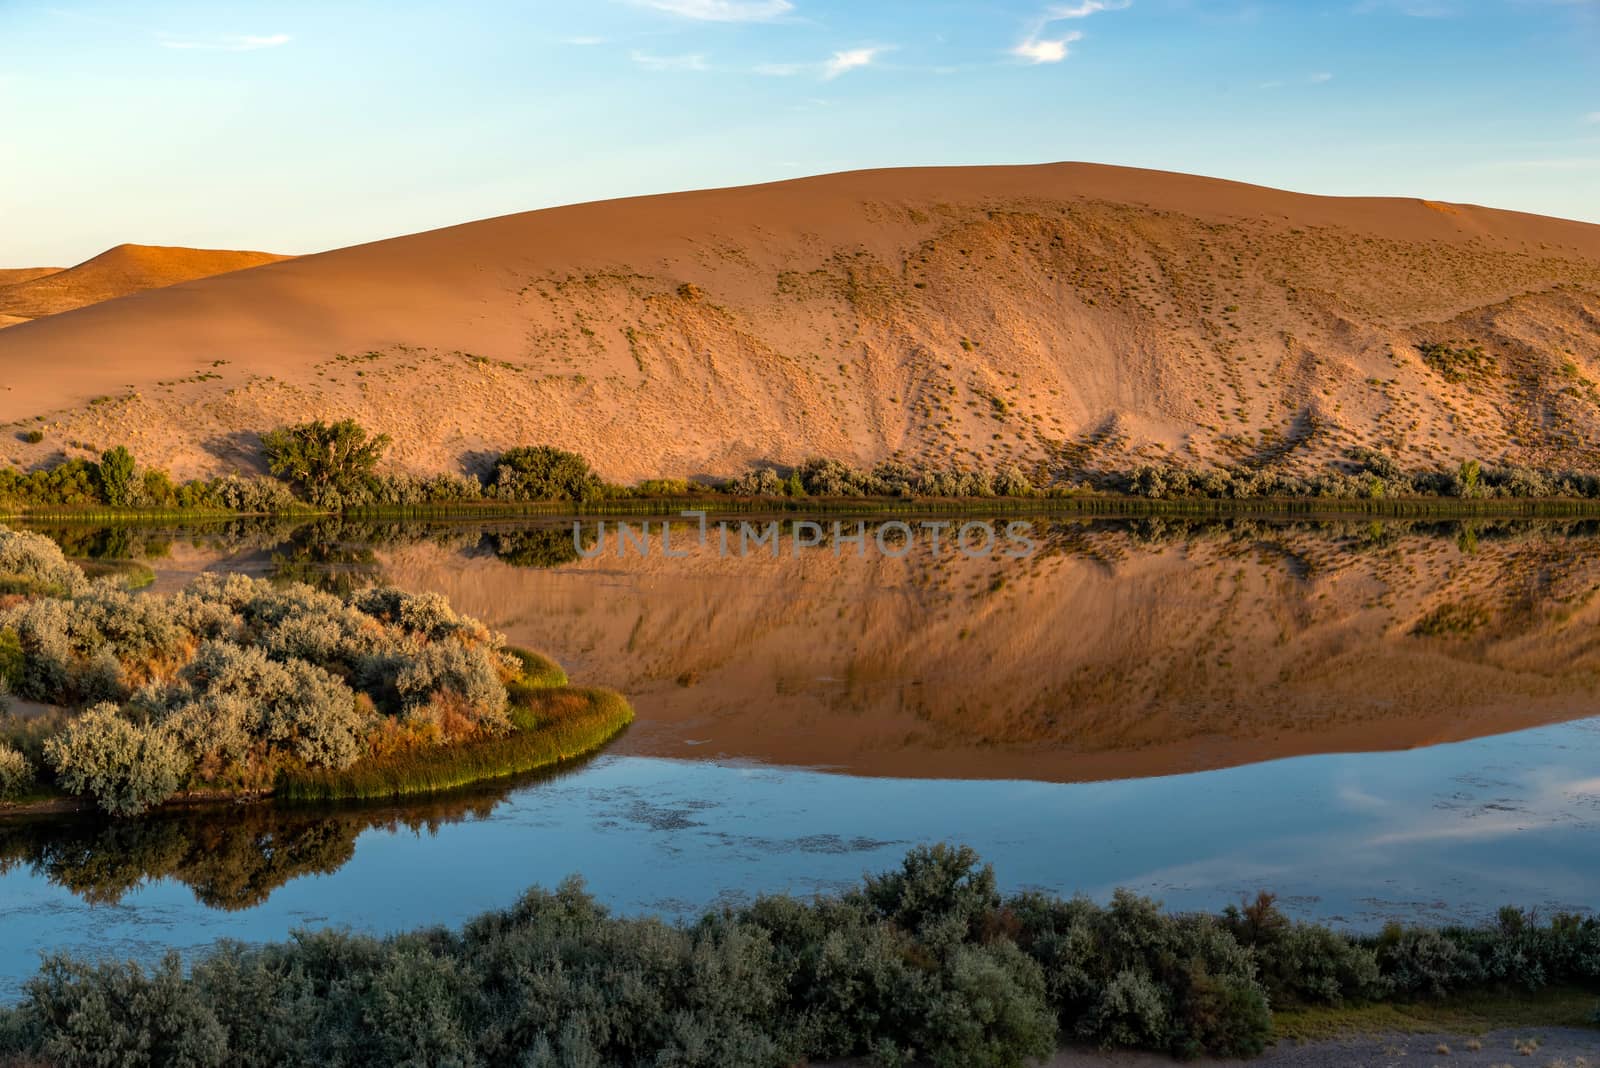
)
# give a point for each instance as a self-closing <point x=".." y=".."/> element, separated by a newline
<point x="236" y="687"/>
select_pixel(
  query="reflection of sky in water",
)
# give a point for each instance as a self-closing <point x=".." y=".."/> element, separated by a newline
<point x="1448" y="832"/>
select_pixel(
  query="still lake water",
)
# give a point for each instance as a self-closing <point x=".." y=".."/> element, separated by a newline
<point x="1375" y="721"/>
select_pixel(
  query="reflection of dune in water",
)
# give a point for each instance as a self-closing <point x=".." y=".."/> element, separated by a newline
<point x="1119" y="650"/>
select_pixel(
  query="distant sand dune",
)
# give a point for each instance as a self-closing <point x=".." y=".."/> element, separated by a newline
<point x="1062" y="316"/>
<point x="33" y="292"/>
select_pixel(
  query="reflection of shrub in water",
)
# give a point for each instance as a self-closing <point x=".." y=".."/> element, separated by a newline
<point x="540" y="546"/>
<point x="232" y="858"/>
<point x="319" y="557"/>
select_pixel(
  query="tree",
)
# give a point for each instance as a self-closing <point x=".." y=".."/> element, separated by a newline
<point x="117" y="476"/>
<point x="543" y="473"/>
<point x="326" y="462"/>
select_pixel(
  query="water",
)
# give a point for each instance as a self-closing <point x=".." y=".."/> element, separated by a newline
<point x="1373" y="722"/>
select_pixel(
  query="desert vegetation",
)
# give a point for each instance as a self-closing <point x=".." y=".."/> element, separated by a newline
<point x="335" y="467"/>
<point x="928" y="963"/>
<point x="237" y="685"/>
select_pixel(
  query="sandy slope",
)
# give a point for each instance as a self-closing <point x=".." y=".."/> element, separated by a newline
<point x="1064" y="315"/>
<point x="10" y="276"/>
<point x="34" y="292"/>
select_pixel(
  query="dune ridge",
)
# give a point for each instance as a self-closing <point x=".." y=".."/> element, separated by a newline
<point x="1065" y="317"/>
<point x="36" y="292"/>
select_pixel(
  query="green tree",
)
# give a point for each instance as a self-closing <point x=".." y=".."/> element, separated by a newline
<point x="117" y="476"/>
<point x="328" y="462"/>
<point x="543" y="473"/>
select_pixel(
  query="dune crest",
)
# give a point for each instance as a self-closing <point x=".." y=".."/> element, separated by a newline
<point x="1064" y="317"/>
<point x="35" y="292"/>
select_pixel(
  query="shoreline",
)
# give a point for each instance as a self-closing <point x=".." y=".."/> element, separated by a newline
<point x="1109" y="506"/>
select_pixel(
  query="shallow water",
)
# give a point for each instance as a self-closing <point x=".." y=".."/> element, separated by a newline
<point x="1165" y="707"/>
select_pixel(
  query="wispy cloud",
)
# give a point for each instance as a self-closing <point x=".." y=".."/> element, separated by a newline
<point x="1036" y="47"/>
<point x="1084" y="9"/>
<point x="1593" y="118"/>
<point x="1053" y="50"/>
<point x="228" y="42"/>
<point x="1320" y="77"/>
<point x="851" y="59"/>
<point x="693" y="61"/>
<point x="584" y="41"/>
<point x="723" y="10"/>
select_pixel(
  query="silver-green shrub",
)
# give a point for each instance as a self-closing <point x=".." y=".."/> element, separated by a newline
<point x="31" y="562"/>
<point x="126" y="767"/>
<point x="16" y="773"/>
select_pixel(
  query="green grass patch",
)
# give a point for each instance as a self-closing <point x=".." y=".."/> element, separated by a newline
<point x="1471" y="1013"/>
<point x="539" y="672"/>
<point x="549" y="725"/>
<point x="135" y="575"/>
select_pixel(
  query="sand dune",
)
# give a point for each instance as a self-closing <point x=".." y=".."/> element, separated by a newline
<point x="10" y="276"/>
<point x="35" y="292"/>
<point x="1066" y="315"/>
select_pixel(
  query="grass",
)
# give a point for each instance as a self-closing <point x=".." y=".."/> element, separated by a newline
<point x="538" y="672"/>
<point x="1467" y="1013"/>
<point x="549" y="725"/>
<point x="135" y="575"/>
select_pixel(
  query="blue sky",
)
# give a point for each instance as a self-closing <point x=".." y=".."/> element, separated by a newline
<point x="296" y="126"/>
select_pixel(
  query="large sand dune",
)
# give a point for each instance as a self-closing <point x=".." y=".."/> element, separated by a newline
<point x="34" y="292"/>
<point x="1066" y="314"/>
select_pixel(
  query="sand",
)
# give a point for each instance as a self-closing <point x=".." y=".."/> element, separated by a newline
<point x="1058" y="316"/>
<point x="36" y="292"/>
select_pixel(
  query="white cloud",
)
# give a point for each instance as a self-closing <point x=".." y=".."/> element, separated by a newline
<point x="687" y="62"/>
<point x="1039" y="50"/>
<point x="852" y="59"/>
<point x="1592" y="118"/>
<point x="1320" y="77"/>
<point x="1085" y="9"/>
<point x="723" y="10"/>
<point x="232" y="42"/>
<point x="584" y="41"/>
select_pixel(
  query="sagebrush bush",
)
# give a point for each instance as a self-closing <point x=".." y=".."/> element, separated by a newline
<point x="32" y="563"/>
<point x="246" y="678"/>
<point x="16" y="772"/>
<point x="126" y="767"/>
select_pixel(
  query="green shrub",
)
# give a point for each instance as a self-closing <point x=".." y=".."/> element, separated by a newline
<point x="32" y="437"/>
<point x="1304" y="964"/>
<point x="117" y="474"/>
<point x="126" y="767"/>
<point x="92" y="1015"/>
<point x="328" y="462"/>
<point x="923" y="965"/>
<point x="32" y="563"/>
<point x="16" y="773"/>
<point x="543" y="473"/>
